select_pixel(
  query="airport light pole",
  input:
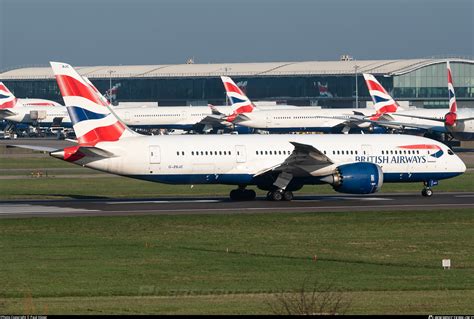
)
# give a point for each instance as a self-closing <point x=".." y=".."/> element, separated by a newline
<point x="110" y="85"/>
<point x="357" y="86"/>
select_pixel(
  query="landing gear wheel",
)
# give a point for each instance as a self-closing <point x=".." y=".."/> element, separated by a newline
<point x="427" y="192"/>
<point x="277" y="196"/>
<point x="269" y="195"/>
<point x="234" y="194"/>
<point x="250" y="194"/>
<point x="288" y="196"/>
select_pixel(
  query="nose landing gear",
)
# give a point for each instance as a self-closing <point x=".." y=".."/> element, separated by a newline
<point x="427" y="191"/>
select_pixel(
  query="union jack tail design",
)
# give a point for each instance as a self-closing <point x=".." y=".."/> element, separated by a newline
<point x="7" y="99"/>
<point x="240" y="102"/>
<point x="92" y="120"/>
<point x="323" y="89"/>
<point x="383" y="102"/>
<point x="103" y="98"/>
<point x="450" y="118"/>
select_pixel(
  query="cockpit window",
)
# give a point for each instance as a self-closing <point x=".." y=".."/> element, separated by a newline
<point x="450" y="152"/>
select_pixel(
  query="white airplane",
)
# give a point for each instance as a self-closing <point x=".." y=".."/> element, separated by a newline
<point x="196" y="118"/>
<point x="280" y="164"/>
<point x="457" y="122"/>
<point x="30" y="111"/>
<point x="293" y="119"/>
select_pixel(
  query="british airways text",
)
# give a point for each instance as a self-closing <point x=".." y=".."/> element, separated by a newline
<point x="398" y="159"/>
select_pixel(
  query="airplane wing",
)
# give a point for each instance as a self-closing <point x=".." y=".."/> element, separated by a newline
<point x="211" y="122"/>
<point x="303" y="159"/>
<point x="421" y="117"/>
<point x="403" y="125"/>
<point x="466" y="119"/>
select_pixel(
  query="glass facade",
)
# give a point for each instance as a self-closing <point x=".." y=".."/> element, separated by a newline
<point x="427" y="85"/>
<point x="430" y="82"/>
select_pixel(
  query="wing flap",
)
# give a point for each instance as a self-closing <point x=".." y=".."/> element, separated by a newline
<point x="303" y="159"/>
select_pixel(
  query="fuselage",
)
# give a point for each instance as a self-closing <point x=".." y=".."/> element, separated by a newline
<point x="301" y="119"/>
<point x="142" y="117"/>
<point x="462" y="130"/>
<point x="238" y="159"/>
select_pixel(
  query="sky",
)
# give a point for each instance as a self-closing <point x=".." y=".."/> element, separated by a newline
<point x="122" y="32"/>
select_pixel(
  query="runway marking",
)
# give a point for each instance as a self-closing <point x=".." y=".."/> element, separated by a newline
<point x="464" y="195"/>
<point x="38" y="209"/>
<point x="166" y="201"/>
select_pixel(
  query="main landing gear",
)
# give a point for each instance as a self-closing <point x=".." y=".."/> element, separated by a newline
<point x="280" y="194"/>
<point x="427" y="191"/>
<point x="242" y="194"/>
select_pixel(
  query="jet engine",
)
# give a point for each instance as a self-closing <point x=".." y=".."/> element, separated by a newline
<point x="357" y="178"/>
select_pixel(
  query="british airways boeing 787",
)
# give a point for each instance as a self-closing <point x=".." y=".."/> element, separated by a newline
<point x="280" y="164"/>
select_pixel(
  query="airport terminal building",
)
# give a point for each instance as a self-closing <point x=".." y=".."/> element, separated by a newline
<point x="422" y="82"/>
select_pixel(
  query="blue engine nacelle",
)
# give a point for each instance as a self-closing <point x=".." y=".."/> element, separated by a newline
<point x="358" y="178"/>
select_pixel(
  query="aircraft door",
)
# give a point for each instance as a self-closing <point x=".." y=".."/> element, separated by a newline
<point x="184" y="115"/>
<point x="269" y="120"/>
<point x="155" y="158"/>
<point x="127" y="116"/>
<point x="241" y="155"/>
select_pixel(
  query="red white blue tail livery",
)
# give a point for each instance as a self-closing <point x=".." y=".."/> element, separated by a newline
<point x="92" y="120"/>
<point x="450" y="118"/>
<point x="383" y="102"/>
<point x="240" y="102"/>
<point x="7" y="99"/>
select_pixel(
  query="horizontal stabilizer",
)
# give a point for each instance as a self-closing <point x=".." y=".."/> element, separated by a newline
<point x="6" y="112"/>
<point x="241" y="118"/>
<point x="92" y="151"/>
<point x="35" y="148"/>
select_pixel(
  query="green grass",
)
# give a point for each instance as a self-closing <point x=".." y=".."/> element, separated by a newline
<point x="80" y="264"/>
<point x="33" y="163"/>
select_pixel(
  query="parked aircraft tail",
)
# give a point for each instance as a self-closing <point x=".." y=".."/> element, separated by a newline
<point x="383" y="102"/>
<point x="450" y="118"/>
<point x="7" y="99"/>
<point x="240" y="102"/>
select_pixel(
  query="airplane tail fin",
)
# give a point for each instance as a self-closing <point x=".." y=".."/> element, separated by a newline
<point x="92" y="119"/>
<point x="383" y="102"/>
<point x="103" y="98"/>
<point x="451" y="116"/>
<point x="7" y="99"/>
<point x="240" y="102"/>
